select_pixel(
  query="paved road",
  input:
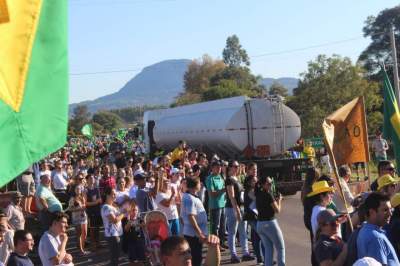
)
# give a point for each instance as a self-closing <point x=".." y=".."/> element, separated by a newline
<point x="291" y="222"/>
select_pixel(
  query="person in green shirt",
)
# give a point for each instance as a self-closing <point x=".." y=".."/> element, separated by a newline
<point x="216" y="196"/>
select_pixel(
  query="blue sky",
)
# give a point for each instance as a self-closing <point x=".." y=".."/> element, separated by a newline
<point x="121" y="35"/>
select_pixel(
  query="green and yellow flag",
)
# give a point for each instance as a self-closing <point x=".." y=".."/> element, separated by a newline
<point x="391" y="117"/>
<point x="33" y="82"/>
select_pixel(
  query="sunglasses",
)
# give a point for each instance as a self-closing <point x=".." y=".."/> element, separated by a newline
<point x="391" y="169"/>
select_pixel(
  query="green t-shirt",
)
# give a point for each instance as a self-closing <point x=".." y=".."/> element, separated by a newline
<point x="214" y="183"/>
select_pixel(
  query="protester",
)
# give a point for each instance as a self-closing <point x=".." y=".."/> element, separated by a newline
<point x="26" y="186"/>
<point x="372" y="240"/>
<point x="194" y="219"/>
<point x="46" y="201"/>
<point x="380" y="146"/>
<point x="250" y="214"/>
<point x="234" y="215"/>
<point x="175" y="251"/>
<point x="53" y="243"/>
<point x="112" y="225"/>
<point x="165" y="200"/>
<point x="133" y="242"/>
<point x="384" y="168"/>
<point x="323" y="194"/>
<point x="387" y="185"/>
<point x="23" y="244"/>
<point x="122" y="193"/>
<point x="77" y="207"/>
<point x="143" y="197"/>
<point x="6" y="240"/>
<point x="216" y="196"/>
<point x="344" y="178"/>
<point x="93" y="205"/>
<point x="267" y="225"/>
<point x="329" y="248"/>
<point x="14" y="212"/>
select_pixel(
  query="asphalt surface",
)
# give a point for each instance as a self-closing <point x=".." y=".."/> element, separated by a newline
<point x="296" y="237"/>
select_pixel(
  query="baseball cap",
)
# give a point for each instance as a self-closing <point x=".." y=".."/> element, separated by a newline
<point x="327" y="216"/>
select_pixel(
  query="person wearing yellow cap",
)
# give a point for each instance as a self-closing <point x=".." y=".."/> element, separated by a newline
<point x="323" y="193"/>
<point x="393" y="230"/>
<point x="387" y="185"/>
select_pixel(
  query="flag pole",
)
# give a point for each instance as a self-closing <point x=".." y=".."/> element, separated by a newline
<point x="335" y="170"/>
<point x="367" y="143"/>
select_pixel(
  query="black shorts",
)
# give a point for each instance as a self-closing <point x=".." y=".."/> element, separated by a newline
<point x="95" y="220"/>
<point x="136" y="250"/>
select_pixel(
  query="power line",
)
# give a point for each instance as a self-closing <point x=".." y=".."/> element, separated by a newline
<point x="104" y="72"/>
<point x="254" y="56"/>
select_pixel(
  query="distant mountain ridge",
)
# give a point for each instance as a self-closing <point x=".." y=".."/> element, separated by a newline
<point x="157" y="84"/>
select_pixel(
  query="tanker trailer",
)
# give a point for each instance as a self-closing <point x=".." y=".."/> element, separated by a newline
<point x="233" y="128"/>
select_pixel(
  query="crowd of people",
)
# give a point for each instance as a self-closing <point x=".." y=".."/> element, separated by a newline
<point x="104" y="184"/>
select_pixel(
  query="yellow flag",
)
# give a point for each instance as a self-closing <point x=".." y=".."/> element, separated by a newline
<point x="346" y="133"/>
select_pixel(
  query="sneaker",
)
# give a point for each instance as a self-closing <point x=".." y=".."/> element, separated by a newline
<point x="235" y="259"/>
<point x="223" y="246"/>
<point x="247" y="257"/>
<point x="260" y="261"/>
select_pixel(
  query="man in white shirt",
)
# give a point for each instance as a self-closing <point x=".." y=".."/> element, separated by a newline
<point x="53" y="243"/>
<point x="380" y="146"/>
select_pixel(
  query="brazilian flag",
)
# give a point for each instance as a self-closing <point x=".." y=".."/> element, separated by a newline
<point x="87" y="131"/>
<point x="33" y="82"/>
<point x="391" y="120"/>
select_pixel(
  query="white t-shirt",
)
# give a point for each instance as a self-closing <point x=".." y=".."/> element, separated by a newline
<point x="110" y="229"/>
<point x="172" y="211"/>
<point x="121" y="196"/>
<point x="60" y="180"/>
<point x="48" y="248"/>
<point x="314" y="222"/>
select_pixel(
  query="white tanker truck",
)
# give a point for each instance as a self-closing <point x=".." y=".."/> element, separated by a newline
<point x="235" y="128"/>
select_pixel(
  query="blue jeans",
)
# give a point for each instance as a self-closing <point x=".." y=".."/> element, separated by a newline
<point x="256" y="241"/>
<point x="233" y="227"/>
<point x="174" y="227"/>
<point x="271" y="235"/>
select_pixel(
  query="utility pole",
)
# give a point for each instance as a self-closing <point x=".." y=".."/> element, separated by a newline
<point x="395" y="68"/>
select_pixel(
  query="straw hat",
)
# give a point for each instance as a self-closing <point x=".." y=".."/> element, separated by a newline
<point x="386" y="180"/>
<point x="320" y="187"/>
<point x="395" y="201"/>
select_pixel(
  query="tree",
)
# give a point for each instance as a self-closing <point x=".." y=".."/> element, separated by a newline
<point x="80" y="117"/>
<point x="328" y="84"/>
<point x="197" y="77"/>
<point x="107" y="120"/>
<point x="278" y="89"/>
<point x="378" y="29"/>
<point x="233" y="54"/>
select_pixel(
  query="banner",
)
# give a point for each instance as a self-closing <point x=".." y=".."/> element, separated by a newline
<point x="346" y="133"/>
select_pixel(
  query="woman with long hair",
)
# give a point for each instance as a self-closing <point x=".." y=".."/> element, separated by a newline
<point x="267" y="226"/>
<point x="112" y="217"/>
<point x="77" y="207"/>
<point x="165" y="200"/>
